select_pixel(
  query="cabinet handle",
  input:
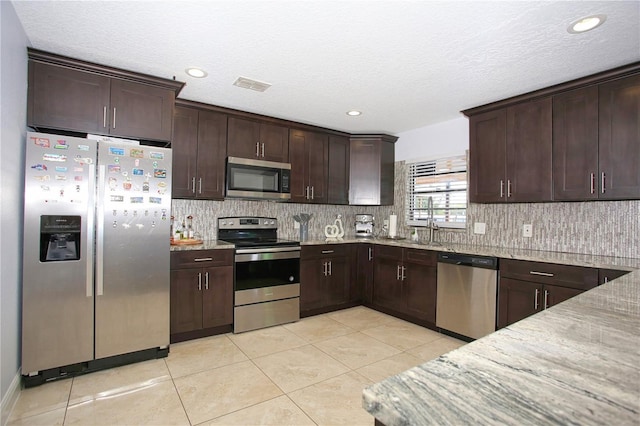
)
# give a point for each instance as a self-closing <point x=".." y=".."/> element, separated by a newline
<point x="324" y="268"/>
<point x="199" y="281"/>
<point x="535" y="300"/>
<point x="603" y="182"/>
<point x="193" y="185"/>
<point x="542" y="274"/>
<point x="257" y="149"/>
<point x="398" y="273"/>
<point x="508" y="188"/>
<point x="501" y="188"/>
<point x="546" y="299"/>
<point x="104" y="116"/>
<point x="592" y="178"/>
<point x="330" y="268"/>
<point x="327" y="251"/>
<point x="114" y="117"/>
<point x="262" y="149"/>
<point x="200" y="186"/>
<point x="606" y="280"/>
<point x="370" y="253"/>
<point x="203" y="259"/>
<point x="402" y="278"/>
<point x="306" y="193"/>
<point x="206" y="281"/>
<point x="312" y="192"/>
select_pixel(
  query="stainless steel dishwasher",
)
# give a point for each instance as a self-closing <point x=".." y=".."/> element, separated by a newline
<point x="467" y="292"/>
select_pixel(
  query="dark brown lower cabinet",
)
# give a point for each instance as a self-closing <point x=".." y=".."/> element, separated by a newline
<point x="201" y="296"/>
<point x="606" y="275"/>
<point x="404" y="283"/>
<point x="325" y="278"/>
<point x="364" y="271"/>
<point x="529" y="287"/>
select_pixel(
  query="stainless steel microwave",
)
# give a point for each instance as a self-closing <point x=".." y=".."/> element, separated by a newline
<point x="258" y="179"/>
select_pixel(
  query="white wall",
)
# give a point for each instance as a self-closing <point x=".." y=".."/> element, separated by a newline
<point x="13" y="110"/>
<point x="435" y="141"/>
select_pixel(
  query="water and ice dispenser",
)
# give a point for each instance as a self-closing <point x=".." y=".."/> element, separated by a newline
<point x="59" y="238"/>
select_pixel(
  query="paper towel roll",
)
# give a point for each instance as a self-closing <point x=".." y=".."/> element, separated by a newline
<point x="393" y="225"/>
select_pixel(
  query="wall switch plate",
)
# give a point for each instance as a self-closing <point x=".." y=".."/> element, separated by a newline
<point x="296" y="224"/>
<point x="527" y="230"/>
<point x="479" y="228"/>
<point x="385" y="224"/>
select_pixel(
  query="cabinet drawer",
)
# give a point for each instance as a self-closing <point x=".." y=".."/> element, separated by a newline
<point x="388" y="251"/>
<point x="201" y="258"/>
<point x="423" y="257"/>
<point x="324" y="250"/>
<point x="550" y="273"/>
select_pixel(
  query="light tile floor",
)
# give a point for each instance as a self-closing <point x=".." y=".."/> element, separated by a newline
<point x="311" y="372"/>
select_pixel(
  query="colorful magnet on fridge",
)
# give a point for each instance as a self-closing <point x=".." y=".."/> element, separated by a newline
<point x="39" y="167"/>
<point x="136" y="153"/>
<point x="159" y="173"/>
<point x="55" y="157"/>
<point x="41" y="142"/>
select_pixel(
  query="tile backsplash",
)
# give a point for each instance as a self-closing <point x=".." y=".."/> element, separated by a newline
<point x="609" y="228"/>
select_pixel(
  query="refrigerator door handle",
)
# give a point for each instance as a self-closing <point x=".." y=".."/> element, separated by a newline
<point x="100" y="232"/>
<point x="89" y="231"/>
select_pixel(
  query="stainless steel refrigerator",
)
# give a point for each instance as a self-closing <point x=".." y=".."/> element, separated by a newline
<point x="96" y="253"/>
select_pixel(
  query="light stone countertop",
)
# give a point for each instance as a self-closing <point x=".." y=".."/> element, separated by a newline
<point x="206" y="245"/>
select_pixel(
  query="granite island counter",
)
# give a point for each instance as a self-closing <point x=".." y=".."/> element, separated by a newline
<point x="575" y="363"/>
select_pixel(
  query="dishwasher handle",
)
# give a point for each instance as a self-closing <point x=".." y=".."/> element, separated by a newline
<point x="485" y="262"/>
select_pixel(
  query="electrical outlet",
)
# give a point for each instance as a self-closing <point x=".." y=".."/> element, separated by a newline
<point x="296" y="224"/>
<point x="527" y="230"/>
<point x="479" y="228"/>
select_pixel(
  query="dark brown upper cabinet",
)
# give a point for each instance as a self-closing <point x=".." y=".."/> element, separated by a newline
<point x="199" y="153"/>
<point x="77" y="96"/>
<point x="510" y="154"/>
<point x="619" y="143"/>
<point x="338" y="179"/>
<point x="575" y="145"/>
<point x="372" y="169"/>
<point x="309" y="156"/>
<point x="258" y="140"/>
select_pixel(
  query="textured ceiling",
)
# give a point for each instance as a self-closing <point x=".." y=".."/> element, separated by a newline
<point x="404" y="64"/>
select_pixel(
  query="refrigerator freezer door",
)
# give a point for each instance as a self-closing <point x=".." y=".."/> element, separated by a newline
<point x="132" y="249"/>
<point x="57" y="283"/>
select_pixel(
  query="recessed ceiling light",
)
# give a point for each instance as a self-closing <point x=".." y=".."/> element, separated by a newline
<point x="354" y="113"/>
<point x="196" y="72"/>
<point x="586" y="24"/>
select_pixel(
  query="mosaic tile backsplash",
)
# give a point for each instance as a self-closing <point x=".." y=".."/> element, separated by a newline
<point x="608" y="228"/>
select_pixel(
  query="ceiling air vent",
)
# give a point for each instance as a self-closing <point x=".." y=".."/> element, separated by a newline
<point x="247" y="83"/>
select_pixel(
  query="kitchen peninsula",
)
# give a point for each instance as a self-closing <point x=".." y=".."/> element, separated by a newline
<point x="575" y="363"/>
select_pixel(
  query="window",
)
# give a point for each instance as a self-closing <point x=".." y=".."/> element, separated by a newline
<point x="444" y="181"/>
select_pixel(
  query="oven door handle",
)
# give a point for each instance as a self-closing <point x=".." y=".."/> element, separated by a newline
<point x="271" y="255"/>
<point x="268" y="250"/>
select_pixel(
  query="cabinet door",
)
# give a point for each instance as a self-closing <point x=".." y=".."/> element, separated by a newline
<point x="487" y="157"/>
<point x="575" y="144"/>
<point x="606" y="275"/>
<point x="529" y="147"/>
<point x="212" y="153"/>
<point x="312" y="276"/>
<point x="184" y="148"/>
<point x="186" y="300"/>
<point x="619" y="133"/>
<point x="338" y="170"/>
<point x="298" y="156"/>
<point x="274" y="143"/>
<point x="62" y="98"/>
<point x="420" y="288"/>
<point x="387" y="288"/>
<point x="337" y="286"/>
<point x="517" y="300"/>
<point x="217" y="296"/>
<point x="141" y="111"/>
<point x="364" y="171"/>
<point x="242" y="139"/>
<point x="364" y="272"/>
<point x="552" y="295"/>
<point x="317" y="160"/>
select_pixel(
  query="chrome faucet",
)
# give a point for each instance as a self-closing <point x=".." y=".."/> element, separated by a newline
<point x="432" y="223"/>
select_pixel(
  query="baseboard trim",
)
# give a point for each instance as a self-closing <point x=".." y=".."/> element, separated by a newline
<point x="9" y="399"/>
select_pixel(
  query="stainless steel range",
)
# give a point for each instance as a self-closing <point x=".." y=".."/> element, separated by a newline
<point x="267" y="273"/>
